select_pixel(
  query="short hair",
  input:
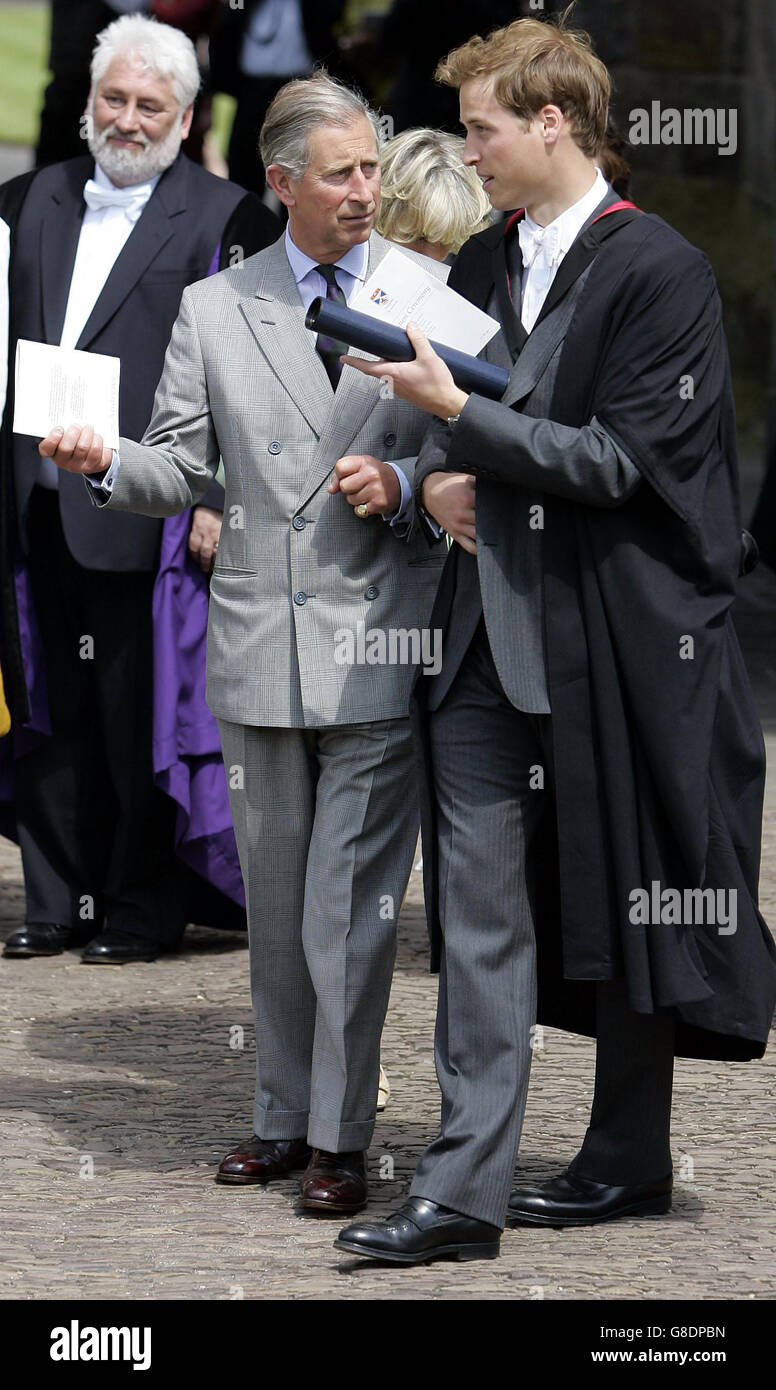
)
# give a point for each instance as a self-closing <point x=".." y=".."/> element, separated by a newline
<point x="535" y="63"/>
<point x="162" y="50"/>
<point x="305" y="104"/>
<point x="428" y="192"/>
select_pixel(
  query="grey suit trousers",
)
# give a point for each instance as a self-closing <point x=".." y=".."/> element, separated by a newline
<point x="492" y="768"/>
<point x="326" y="822"/>
<point x="486" y="755"/>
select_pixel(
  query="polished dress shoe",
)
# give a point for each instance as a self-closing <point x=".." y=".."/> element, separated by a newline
<point x="39" y="939"/>
<point x="260" y="1160"/>
<point x="570" y="1200"/>
<point x="334" y="1182"/>
<point x="119" y="948"/>
<point x="419" y="1231"/>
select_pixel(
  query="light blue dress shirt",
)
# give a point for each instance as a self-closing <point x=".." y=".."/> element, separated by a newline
<point x="276" y="44"/>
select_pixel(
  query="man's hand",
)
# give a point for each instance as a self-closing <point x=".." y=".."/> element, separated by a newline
<point x="77" y="449"/>
<point x="204" y="535"/>
<point x="426" y="381"/>
<point x="364" y="480"/>
<point x="449" y="498"/>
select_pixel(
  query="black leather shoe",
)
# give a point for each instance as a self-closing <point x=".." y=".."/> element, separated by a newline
<point x="261" y="1160"/>
<point x="570" y="1200"/>
<point x="119" y="948"/>
<point x="332" y="1182"/>
<point x="420" y="1231"/>
<point x="39" y="939"/>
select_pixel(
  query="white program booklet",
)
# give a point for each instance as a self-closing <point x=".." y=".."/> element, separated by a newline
<point x="62" y="386"/>
<point x="401" y="291"/>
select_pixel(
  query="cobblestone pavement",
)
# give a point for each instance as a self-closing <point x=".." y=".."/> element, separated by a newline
<point x="122" y="1092"/>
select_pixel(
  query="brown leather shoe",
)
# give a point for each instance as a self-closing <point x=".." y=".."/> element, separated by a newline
<point x="261" y="1160"/>
<point x="334" y="1182"/>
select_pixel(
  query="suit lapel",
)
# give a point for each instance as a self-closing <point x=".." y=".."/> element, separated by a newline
<point x="151" y="232"/>
<point x="350" y="405"/>
<point x="508" y="297"/>
<point x="552" y="323"/>
<point x="275" y="315"/>
<point x="59" y="234"/>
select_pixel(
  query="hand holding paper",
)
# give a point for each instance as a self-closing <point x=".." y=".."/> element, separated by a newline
<point x="77" y="449"/>
<point x="54" y="385"/>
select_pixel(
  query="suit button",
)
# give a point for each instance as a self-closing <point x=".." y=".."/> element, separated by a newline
<point x="390" y="439"/>
<point x="372" y="591"/>
<point x="299" y="523"/>
<point x="274" y="447"/>
<point x="300" y="598"/>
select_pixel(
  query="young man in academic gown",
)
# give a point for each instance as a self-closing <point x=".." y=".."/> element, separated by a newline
<point x="101" y="249"/>
<point x="591" y="733"/>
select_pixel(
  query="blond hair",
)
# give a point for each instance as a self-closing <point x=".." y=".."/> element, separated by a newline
<point x="535" y="64"/>
<point x="429" y="194"/>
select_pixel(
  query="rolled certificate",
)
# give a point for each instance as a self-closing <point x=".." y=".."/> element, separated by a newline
<point x="391" y="343"/>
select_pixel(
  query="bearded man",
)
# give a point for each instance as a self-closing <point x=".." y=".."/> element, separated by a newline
<point x="102" y="248"/>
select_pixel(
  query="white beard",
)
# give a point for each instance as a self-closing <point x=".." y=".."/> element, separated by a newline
<point x="125" y="167"/>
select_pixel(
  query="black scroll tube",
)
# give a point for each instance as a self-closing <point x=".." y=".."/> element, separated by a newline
<point x="391" y="343"/>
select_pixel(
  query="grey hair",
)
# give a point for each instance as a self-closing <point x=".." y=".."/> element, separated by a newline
<point x="162" y="50"/>
<point x="302" y="106"/>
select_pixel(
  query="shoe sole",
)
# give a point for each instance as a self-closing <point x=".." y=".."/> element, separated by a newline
<point x="23" y="954"/>
<point x="310" y="1204"/>
<point x="489" y="1251"/>
<point x="653" y="1206"/>
<point x="237" y="1180"/>
<point x="133" y="960"/>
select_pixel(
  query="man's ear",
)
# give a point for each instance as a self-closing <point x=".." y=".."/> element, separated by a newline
<point x="280" y="182"/>
<point x="188" y="116"/>
<point x="552" y="120"/>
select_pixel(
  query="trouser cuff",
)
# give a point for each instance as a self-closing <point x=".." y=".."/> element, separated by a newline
<point x="350" y="1137"/>
<point x="279" y="1124"/>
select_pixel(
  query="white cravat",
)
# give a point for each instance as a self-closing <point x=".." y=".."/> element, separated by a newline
<point x="543" y="248"/>
<point x="110" y="215"/>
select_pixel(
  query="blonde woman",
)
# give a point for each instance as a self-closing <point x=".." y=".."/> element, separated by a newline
<point x="431" y="202"/>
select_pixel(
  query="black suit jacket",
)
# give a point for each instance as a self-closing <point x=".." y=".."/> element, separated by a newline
<point x="190" y="216"/>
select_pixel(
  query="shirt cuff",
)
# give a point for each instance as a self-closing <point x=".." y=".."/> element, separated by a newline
<point x="102" y="483"/>
<point x="406" y="508"/>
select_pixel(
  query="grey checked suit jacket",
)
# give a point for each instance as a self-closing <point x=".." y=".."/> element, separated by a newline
<point x="295" y="566"/>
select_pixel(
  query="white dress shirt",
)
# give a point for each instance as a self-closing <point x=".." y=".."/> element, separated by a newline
<point x="104" y="233"/>
<point x="543" y="248"/>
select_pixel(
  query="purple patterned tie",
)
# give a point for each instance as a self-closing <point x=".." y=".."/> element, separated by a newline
<point x="330" y="349"/>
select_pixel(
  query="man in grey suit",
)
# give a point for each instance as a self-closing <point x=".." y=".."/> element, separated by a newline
<point x="314" y="550"/>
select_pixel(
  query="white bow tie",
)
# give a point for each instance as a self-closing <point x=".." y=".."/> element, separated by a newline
<point x="132" y="200"/>
<point x="539" y="240"/>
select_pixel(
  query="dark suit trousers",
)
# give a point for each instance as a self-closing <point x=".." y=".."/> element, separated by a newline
<point x="96" y="835"/>
<point x="487" y="757"/>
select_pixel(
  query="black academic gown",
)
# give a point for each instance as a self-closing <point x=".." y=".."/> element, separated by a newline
<point x="658" y="753"/>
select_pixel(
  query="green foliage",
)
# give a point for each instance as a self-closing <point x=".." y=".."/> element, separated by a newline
<point x="24" y="31"/>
